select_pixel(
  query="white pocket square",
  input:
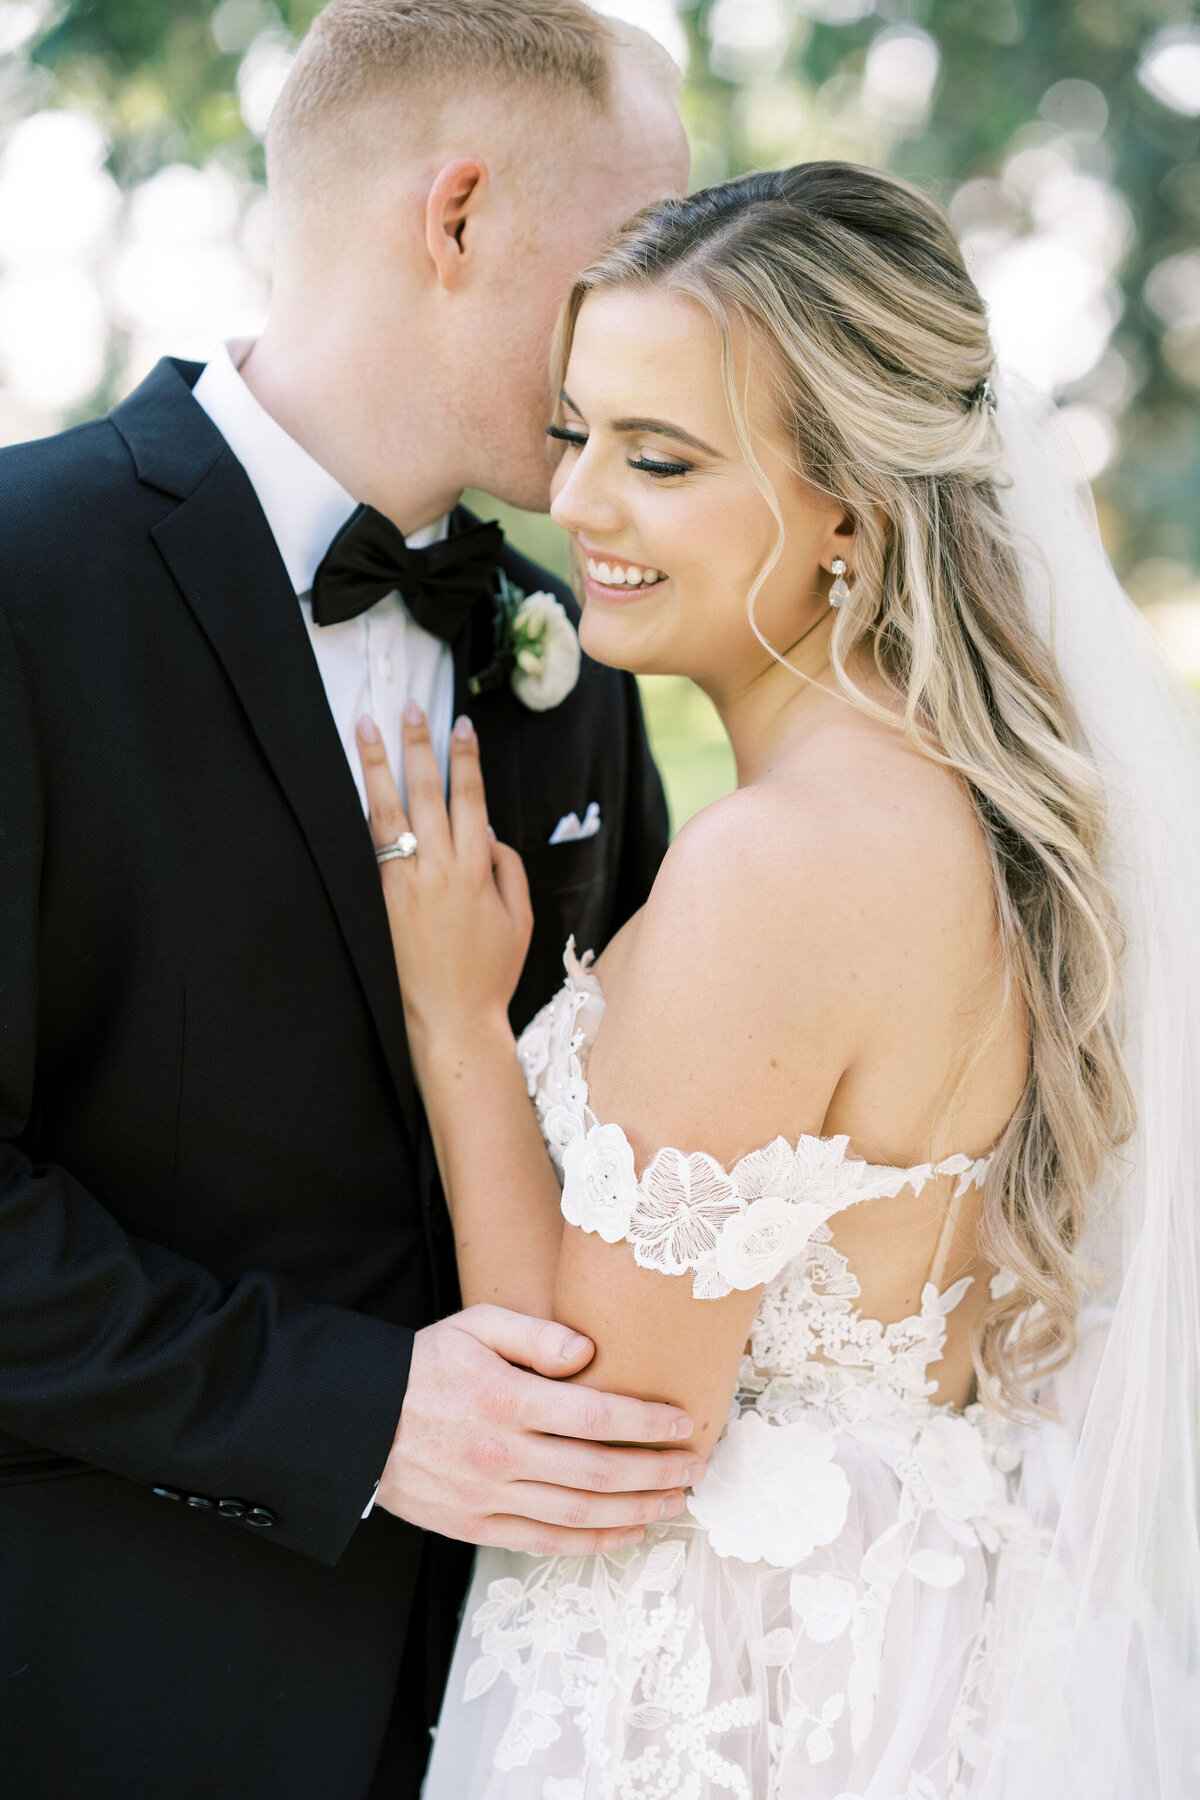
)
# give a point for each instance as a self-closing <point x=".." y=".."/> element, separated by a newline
<point x="570" y="828"/>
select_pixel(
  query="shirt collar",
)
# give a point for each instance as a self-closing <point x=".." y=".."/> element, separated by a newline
<point x="304" y="506"/>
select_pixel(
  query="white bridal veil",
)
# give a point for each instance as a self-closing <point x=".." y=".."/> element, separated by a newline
<point x="1097" y="1695"/>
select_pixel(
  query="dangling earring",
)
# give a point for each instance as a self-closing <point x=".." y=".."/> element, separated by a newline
<point x="839" y="593"/>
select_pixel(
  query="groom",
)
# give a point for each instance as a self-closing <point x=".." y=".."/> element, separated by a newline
<point x="228" y="1414"/>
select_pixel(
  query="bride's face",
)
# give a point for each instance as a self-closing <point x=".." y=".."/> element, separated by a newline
<point x="670" y="528"/>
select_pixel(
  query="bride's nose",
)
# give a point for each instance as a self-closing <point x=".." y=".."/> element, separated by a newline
<point x="579" y="502"/>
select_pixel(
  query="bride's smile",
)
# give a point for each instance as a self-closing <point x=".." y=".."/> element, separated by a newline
<point x="610" y="578"/>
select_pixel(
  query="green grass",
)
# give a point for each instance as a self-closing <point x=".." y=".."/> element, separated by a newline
<point x="691" y="749"/>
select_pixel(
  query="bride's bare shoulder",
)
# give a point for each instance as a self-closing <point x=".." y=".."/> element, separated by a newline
<point x="791" y="923"/>
<point x="857" y="829"/>
<point x="817" y="878"/>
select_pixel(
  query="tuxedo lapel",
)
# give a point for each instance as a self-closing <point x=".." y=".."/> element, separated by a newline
<point x="495" y="714"/>
<point x="219" y="548"/>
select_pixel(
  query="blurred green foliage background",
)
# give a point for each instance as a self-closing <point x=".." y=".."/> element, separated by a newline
<point x="1063" y="135"/>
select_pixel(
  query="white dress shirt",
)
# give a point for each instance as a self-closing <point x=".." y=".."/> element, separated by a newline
<point x="371" y="664"/>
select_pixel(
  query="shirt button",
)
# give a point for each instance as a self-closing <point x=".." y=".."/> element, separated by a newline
<point x="201" y="1502"/>
<point x="260" y="1517"/>
<point x="385" y="668"/>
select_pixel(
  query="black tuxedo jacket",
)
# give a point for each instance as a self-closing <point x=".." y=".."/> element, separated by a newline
<point x="219" y="1215"/>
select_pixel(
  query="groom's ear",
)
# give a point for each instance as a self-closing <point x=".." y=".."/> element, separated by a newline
<point x="450" y="212"/>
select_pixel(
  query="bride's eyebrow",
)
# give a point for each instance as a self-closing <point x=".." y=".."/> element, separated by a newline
<point x="664" y="428"/>
<point x="660" y="428"/>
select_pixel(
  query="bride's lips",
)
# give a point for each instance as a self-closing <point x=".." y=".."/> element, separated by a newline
<point x="616" y="579"/>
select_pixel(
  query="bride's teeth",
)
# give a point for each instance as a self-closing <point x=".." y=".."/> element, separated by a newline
<point x="622" y="574"/>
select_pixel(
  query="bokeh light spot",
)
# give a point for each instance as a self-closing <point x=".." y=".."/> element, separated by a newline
<point x="1170" y="69"/>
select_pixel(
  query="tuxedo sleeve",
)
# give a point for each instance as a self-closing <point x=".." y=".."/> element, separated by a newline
<point x="646" y="829"/>
<point x="123" y="1355"/>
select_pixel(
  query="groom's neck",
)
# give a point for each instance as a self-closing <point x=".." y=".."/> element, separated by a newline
<point x="382" y="432"/>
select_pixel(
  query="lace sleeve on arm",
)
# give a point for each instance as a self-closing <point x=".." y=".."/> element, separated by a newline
<point x="687" y="1214"/>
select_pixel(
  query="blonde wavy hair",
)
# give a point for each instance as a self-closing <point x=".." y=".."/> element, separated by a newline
<point x="876" y="342"/>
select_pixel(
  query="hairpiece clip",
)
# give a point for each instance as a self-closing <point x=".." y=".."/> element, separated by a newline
<point x="984" y="397"/>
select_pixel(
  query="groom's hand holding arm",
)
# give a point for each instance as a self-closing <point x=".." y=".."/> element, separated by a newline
<point x="490" y="1450"/>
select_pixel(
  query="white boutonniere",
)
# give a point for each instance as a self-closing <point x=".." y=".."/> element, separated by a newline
<point x="536" y="646"/>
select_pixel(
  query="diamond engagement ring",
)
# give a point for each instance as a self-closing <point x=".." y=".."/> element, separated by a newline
<point x="404" y="847"/>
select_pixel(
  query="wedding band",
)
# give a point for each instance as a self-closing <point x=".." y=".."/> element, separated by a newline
<point x="404" y="847"/>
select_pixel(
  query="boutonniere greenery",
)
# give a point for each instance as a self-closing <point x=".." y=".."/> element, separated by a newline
<point x="536" y="647"/>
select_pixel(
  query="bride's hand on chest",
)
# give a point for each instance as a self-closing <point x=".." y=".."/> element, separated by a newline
<point x="458" y="904"/>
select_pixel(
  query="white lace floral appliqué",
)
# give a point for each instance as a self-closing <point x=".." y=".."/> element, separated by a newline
<point x="687" y="1214"/>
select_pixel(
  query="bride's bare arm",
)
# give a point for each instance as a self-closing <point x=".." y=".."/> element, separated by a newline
<point x="460" y="919"/>
<point x="500" y="1187"/>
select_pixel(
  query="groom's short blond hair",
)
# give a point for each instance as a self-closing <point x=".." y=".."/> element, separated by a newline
<point x="420" y="51"/>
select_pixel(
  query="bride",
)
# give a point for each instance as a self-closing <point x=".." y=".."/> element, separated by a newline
<point x="869" y="1141"/>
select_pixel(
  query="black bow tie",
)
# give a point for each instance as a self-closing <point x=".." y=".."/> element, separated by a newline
<point x="440" y="584"/>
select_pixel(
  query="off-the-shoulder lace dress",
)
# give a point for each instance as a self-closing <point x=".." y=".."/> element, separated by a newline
<point x="815" y="1626"/>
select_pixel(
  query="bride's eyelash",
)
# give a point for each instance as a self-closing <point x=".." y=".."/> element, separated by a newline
<point x="660" y="468"/>
<point x="564" y="436"/>
<point x="645" y="464"/>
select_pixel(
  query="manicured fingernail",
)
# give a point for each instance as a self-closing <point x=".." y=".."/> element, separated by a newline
<point x="670" y="1507"/>
<point x="412" y="714"/>
<point x="368" y="730"/>
<point x="682" y="1428"/>
<point x="693" y="1473"/>
<point x="463" y="728"/>
<point x="574" y="1346"/>
<point x="491" y="834"/>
